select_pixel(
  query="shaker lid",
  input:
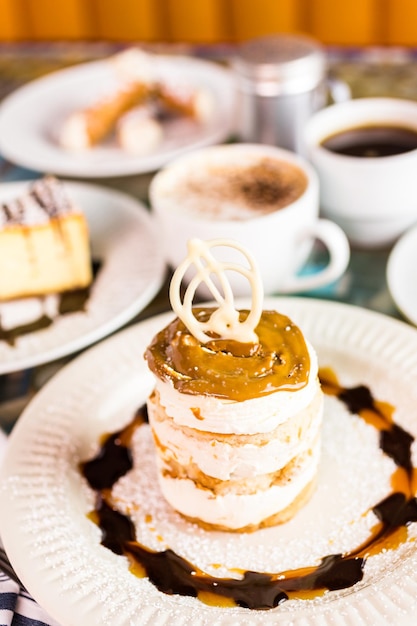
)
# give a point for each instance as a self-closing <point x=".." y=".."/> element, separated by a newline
<point x="280" y="64"/>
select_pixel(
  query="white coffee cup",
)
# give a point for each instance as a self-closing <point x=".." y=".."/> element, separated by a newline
<point x="200" y="195"/>
<point x="373" y="198"/>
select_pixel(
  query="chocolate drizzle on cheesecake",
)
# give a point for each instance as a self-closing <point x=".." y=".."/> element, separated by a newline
<point x="48" y="194"/>
<point x="45" y="200"/>
<point x="7" y="213"/>
<point x="73" y="301"/>
<point x="14" y="212"/>
<point x="172" y="574"/>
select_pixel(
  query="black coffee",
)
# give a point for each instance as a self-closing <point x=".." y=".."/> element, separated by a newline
<point x="372" y="141"/>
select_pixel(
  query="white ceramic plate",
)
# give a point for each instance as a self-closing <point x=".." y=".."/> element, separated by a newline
<point x="124" y="238"/>
<point x="31" y="117"/>
<point x="402" y="274"/>
<point x="55" y="549"/>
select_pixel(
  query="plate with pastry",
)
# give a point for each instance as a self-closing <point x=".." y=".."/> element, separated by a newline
<point x="249" y="462"/>
<point x="126" y="114"/>
<point x="77" y="262"/>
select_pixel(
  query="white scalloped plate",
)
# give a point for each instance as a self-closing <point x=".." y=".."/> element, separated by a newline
<point x="30" y="118"/>
<point x="124" y="237"/>
<point x="56" y="550"/>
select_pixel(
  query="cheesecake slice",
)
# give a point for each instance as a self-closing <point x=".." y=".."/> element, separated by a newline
<point x="44" y="243"/>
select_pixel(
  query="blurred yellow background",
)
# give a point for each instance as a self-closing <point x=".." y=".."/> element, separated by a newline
<point x="333" y="22"/>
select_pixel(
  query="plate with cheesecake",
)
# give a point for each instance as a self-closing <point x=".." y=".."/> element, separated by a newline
<point x="77" y="261"/>
<point x="125" y="114"/>
<point x="237" y="465"/>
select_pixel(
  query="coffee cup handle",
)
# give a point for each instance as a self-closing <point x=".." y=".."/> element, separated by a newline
<point x="339" y="90"/>
<point x="336" y="242"/>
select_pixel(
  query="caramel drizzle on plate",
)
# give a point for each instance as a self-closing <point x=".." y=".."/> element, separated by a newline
<point x="172" y="574"/>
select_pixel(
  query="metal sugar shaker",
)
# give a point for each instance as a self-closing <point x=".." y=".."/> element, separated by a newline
<point x="281" y="81"/>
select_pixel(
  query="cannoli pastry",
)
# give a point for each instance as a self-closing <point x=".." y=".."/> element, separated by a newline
<point x="139" y="132"/>
<point x="184" y="100"/>
<point x="134" y="84"/>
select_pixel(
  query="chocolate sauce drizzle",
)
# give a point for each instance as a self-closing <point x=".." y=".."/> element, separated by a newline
<point x="7" y="212"/>
<point x="172" y="574"/>
<point x="50" y="196"/>
<point x="47" y="193"/>
<point x="72" y="301"/>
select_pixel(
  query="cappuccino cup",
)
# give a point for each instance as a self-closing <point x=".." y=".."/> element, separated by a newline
<point x="264" y="197"/>
<point x="365" y="154"/>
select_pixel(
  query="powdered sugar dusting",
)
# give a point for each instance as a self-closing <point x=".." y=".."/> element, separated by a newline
<point x="354" y="476"/>
<point x="55" y="548"/>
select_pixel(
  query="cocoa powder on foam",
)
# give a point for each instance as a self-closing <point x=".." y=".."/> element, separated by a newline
<point x="239" y="191"/>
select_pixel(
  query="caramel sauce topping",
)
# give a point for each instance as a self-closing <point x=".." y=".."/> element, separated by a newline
<point x="227" y="368"/>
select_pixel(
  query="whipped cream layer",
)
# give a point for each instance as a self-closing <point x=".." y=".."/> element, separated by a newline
<point x="224" y="386"/>
<point x="236" y="511"/>
<point x="24" y="311"/>
<point x="230" y="457"/>
<point x="256" y="415"/>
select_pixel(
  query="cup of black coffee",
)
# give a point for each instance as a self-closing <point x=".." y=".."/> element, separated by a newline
<point x="365" y="153"/>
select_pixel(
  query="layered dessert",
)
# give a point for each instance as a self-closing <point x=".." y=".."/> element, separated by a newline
<point x="237" y="406"/>
<point x="44" y="243"/>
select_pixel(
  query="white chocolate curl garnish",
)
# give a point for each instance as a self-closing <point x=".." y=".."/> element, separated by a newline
<point x="224" y="321"/>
